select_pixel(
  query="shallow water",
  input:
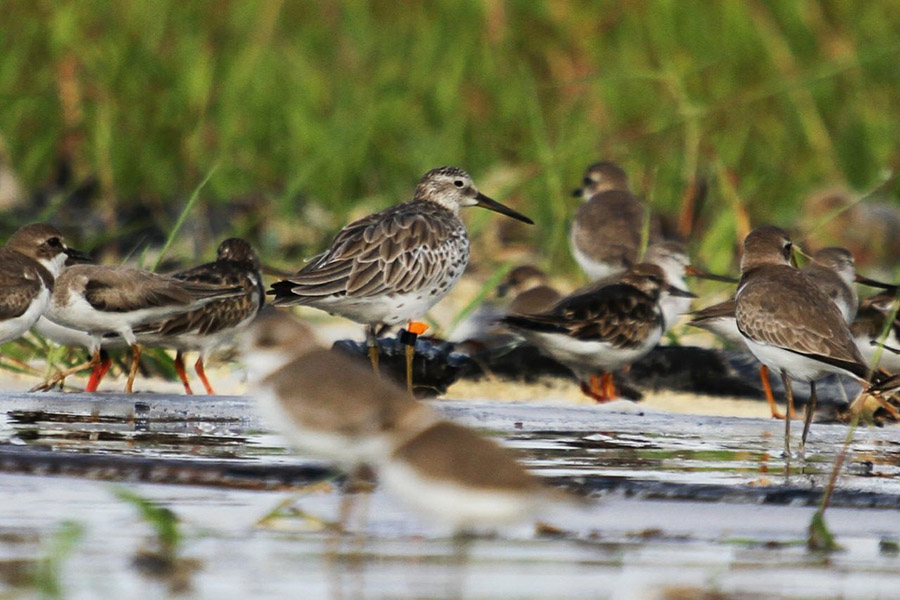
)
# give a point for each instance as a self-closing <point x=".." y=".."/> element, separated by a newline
<point x="679" y="505"/>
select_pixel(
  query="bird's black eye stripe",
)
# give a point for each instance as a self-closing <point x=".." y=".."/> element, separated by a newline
<point x="459" y="183"/>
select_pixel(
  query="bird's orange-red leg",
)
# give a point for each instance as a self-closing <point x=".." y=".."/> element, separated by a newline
<point x="179" y="368"/>
<point x="767" y="388"/>
<point x="98" y="373"/>
<point x="201" y="373"/>
<point x="608" y="385"/>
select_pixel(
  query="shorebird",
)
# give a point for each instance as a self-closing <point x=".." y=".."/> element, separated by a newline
<point x="102" y="299"/>
<point x="392" y="266"/>
<point x="605" y="236"/>
<point x="525" y="289"/>
<point x="457" y="477"/>
<point x="206" y="328"/>
<point x="529" y="289"/>
<point x="875" y="319"/>
<point x="331" y="407"/>
<point x="32" y="258"/>
<point x="602" y="329"/>
<point x="789" y="323"/>
<point x="324" y="403"/>
<point x="832" y="270"/>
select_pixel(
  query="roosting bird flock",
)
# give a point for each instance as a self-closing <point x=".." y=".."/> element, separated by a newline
<point x="391" y="267"/>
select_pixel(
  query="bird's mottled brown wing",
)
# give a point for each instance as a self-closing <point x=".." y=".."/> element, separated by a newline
<point x="618" y="314"/>
<point x="608" y="228"/>
<point x="21" y="280"/>
<point x="782" y="307"/>
<point x="219" y="314"/>
<point x="401" y="249"/>
<point x="123" y="290"/>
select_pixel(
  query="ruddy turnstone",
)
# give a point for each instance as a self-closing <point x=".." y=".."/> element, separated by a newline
<point x="392" y="266"/>
<point x="218" y="322"/>
<point x="605" y="235"/>
<point x="603" y="329"/>
<point x="33" y="256"/>
<point x="102" y="299"/>
<point x="789" y="323"/>
<point x="673" y="259"/>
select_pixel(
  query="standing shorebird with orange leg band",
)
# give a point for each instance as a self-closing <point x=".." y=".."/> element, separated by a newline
<point x="391" y="267"/>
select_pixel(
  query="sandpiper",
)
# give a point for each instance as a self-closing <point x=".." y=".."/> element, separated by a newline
<point x="525" y="289"/>
<point x="872" y="324"/>
<point x="832" y="270"/>
<point x="392" y="266"/>
<point x="102" y="299"/>
<point x="460" y="478"/>
<point x="605" y="236"/>
<point x="33" y="256"/>
<point x="789" y="323"/>
<point x="326" y="404"/>
<point x="218" y="322"/>
<point x="529" y="289"/>
<point x="333" y="408"/>
<point x="603" y="329"/>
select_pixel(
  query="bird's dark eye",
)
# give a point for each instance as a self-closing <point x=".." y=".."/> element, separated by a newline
<point x="54" y="243"/>
<point x="787" y="250"/>
<point x="459" y="183"/>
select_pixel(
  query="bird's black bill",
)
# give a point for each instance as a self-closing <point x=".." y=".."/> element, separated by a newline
<point x="485" y="202"/>
<point x="876" y="284"/>
<point x="77" y="257"/>
<point x="695" y="272"/>
<point x="678" y="292"/>
<point x="885" y="346"/>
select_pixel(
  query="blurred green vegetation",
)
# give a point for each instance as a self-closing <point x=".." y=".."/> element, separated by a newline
<point x="321" y="111"/>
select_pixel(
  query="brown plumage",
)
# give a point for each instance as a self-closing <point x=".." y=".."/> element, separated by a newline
<point x="121" y="289"/>
<point x="783" y="307"/>
<point x="21" y="279"/>
<point x="623" y="314"/>
<point x="236" y="265"/>
<point x="325" y="391"/>
<point x="451" y="453"/>
<point x="397" y="250"/>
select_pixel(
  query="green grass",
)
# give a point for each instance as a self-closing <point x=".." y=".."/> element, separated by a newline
<point x="320" y="111"/>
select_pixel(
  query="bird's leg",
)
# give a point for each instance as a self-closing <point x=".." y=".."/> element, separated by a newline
<point x="789" y="399"/>
<point x="594" y="388"/>
<point x="104" y="362"/>
<point x="201" y="373"/>
<point x="182" y="375"/>
<point x="408" y="338"/>
<point x="810" y="409"/>
<point x="372" y="345"/>
<point x="609" y="386"/>
<point x="767" y="388"/>
<point x="132" y="372"/>
<point x="61" y="375"/>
